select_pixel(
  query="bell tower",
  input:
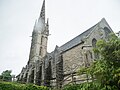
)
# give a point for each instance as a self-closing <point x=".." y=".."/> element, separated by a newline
<point x="39" y="37"/>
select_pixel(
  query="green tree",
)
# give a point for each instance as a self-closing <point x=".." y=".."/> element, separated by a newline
<point x="6" y="75"/>
<point x="106" y="70"/>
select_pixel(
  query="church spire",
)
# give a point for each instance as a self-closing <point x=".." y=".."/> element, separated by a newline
<point x="42" y="13"/>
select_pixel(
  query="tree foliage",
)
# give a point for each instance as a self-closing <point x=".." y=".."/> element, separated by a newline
<point x="108" y="67"/>
<point x="6" y="75"/>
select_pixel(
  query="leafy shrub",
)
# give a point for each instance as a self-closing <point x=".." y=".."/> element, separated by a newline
<point x="83" y="86"/>
<point x="89" y="86"/>
<point x="17" y="86"/>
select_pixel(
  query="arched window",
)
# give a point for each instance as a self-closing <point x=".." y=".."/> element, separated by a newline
<point x="94" y="42"/>
<point x="41" y="51"/>
<point x="107" y="32"/>
<point x="43" y="40"/>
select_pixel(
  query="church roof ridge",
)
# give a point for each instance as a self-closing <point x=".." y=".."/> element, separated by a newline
<point x="77" y="40"/>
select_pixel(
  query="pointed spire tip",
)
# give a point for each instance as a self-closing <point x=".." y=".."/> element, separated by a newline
<point x="42" y="14"/>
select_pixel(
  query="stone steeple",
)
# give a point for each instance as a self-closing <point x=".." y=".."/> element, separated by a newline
<point x="39" y="37"/>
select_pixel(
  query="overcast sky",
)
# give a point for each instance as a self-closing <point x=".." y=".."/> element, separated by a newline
<point x="67" y="19"/>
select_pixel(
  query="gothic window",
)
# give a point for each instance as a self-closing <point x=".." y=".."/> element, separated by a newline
<point x="94" y="41"/>
<point x="86" y="57"/>
<point x="107" y="31"/>
<point x="40" y="52"/>
<point x="43" y="40"/>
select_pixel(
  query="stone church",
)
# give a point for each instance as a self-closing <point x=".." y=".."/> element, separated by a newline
<point x="59" y="67"/>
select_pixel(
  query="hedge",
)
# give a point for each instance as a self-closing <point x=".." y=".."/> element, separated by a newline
<point x="18" y="86"/>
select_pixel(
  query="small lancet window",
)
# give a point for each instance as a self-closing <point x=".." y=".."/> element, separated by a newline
<point x="94" y="41"/>
<point x="40" y="52"/>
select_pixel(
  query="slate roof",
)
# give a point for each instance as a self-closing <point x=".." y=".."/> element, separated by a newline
<point x="80" y="38"/>
<point x="75" y="41"/>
